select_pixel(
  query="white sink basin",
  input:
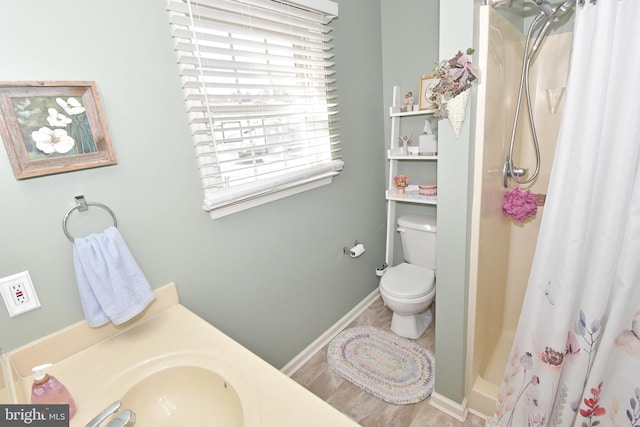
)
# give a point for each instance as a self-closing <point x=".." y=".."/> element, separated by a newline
<point x="184" y="396"/>
<point x="186" y="388"/>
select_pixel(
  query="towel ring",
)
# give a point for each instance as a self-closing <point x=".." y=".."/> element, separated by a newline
<point x="81" y="206"/>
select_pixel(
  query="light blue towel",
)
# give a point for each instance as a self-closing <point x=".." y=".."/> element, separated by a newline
<point x="112" y="286"/>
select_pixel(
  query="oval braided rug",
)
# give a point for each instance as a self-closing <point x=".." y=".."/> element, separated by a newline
<point x="390" y="367"/>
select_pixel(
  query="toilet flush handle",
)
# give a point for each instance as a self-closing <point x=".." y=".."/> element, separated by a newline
<point x="401" y="230"/>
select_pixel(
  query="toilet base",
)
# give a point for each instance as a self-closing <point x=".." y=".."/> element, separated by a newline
<point x="411" y="326"/>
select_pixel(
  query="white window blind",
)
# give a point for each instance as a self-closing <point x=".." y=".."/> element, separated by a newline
<point x="259" y="88"/>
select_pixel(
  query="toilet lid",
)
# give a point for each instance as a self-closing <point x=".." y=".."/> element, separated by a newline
<point x="408" y="281"/>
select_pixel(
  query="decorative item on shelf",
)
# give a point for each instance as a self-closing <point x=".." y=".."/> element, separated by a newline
<point x="428" y="189"/>
<point x="426" y="93"/>
<point x="407" y="103"/>
<point x="400" y="182"/>
<point x="451" y="93"/>
<point x="427" y="142"/>
<point x="404" y="140"/>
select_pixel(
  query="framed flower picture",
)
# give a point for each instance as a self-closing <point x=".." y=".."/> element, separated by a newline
<point x="53" y="127"/>
<point x="426" y="86"/>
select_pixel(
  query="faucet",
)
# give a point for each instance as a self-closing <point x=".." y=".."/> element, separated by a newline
<point x="124" y="418"/>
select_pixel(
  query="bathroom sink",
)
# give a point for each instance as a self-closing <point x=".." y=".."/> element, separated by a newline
<point x="184" y="396"/>
<point x="171" y="368"/>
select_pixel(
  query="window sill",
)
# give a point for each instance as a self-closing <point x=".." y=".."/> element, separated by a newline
<point x="270" y="196"/>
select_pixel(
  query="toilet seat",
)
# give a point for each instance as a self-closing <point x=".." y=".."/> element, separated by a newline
<point x="408" y="281"/>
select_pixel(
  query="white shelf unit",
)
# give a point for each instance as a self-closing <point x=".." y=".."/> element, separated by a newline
<point x="395" y="156"/>
<point x="411" y="195"/>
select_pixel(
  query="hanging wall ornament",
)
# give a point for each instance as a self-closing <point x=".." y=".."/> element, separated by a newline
<point x="450" y="93"/>
<point x="457" y="108"/>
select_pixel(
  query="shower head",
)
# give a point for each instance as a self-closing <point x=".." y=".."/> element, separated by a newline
<point x="553" y="13"/>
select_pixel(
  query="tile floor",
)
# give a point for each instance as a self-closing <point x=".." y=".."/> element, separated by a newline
<point x="365" y="409"/>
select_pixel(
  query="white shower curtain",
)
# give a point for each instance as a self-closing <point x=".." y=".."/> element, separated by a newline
<point x="575" y="360"/>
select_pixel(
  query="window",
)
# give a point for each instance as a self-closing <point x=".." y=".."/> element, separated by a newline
<point x="258" y="82"/>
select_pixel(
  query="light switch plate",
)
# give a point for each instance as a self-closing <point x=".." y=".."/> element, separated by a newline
<point x="18" y="293"/>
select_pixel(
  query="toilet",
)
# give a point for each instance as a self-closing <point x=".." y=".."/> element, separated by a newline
<point x="409" y="288"/>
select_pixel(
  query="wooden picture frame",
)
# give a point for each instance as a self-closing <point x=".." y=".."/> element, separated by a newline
<point x="53" y="127"/>
<point x="426" y="84"/>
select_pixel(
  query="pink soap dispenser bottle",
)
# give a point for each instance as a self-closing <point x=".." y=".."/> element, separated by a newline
<point x="46" y="389"/>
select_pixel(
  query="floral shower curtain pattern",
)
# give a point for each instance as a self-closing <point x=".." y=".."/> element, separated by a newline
<point x="575" y="360"/>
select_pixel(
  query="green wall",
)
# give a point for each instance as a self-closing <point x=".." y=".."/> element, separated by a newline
<point x="273" y="277"/>
<point x="417" y="35"/>
<point x="409" y="50"/>
<point x="454" y="203"/>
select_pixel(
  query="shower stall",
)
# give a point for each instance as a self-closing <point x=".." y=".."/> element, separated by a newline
<point x="501" y="250"/>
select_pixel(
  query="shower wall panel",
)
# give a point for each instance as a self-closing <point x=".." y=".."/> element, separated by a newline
<point x="504" y="54"/>
<point x="505" y="249"/>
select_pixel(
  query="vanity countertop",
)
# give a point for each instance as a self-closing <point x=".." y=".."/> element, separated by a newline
<point x="170" y="334"/>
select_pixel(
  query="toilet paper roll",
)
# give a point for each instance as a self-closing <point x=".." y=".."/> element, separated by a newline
<point x="357" y="250"/>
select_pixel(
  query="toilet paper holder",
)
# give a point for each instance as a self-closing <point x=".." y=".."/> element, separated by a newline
<point x="346" y="250"/>
<point x="355" y="251"/>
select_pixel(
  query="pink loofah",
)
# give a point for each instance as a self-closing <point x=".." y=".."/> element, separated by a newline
<point x="519" y="205"/>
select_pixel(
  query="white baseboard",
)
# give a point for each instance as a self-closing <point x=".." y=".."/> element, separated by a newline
<point x="324" y="339"/>
<point x="448" y="406"/>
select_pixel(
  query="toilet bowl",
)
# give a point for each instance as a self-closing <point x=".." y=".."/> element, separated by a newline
<point x="409" y="289"/>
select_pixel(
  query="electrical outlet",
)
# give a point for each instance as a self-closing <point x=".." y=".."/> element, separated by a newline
<point x="20" y="296"/>
<point x="18" y="293"/>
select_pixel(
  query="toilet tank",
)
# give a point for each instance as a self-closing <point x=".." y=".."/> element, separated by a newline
<point x="418" y="236"/>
